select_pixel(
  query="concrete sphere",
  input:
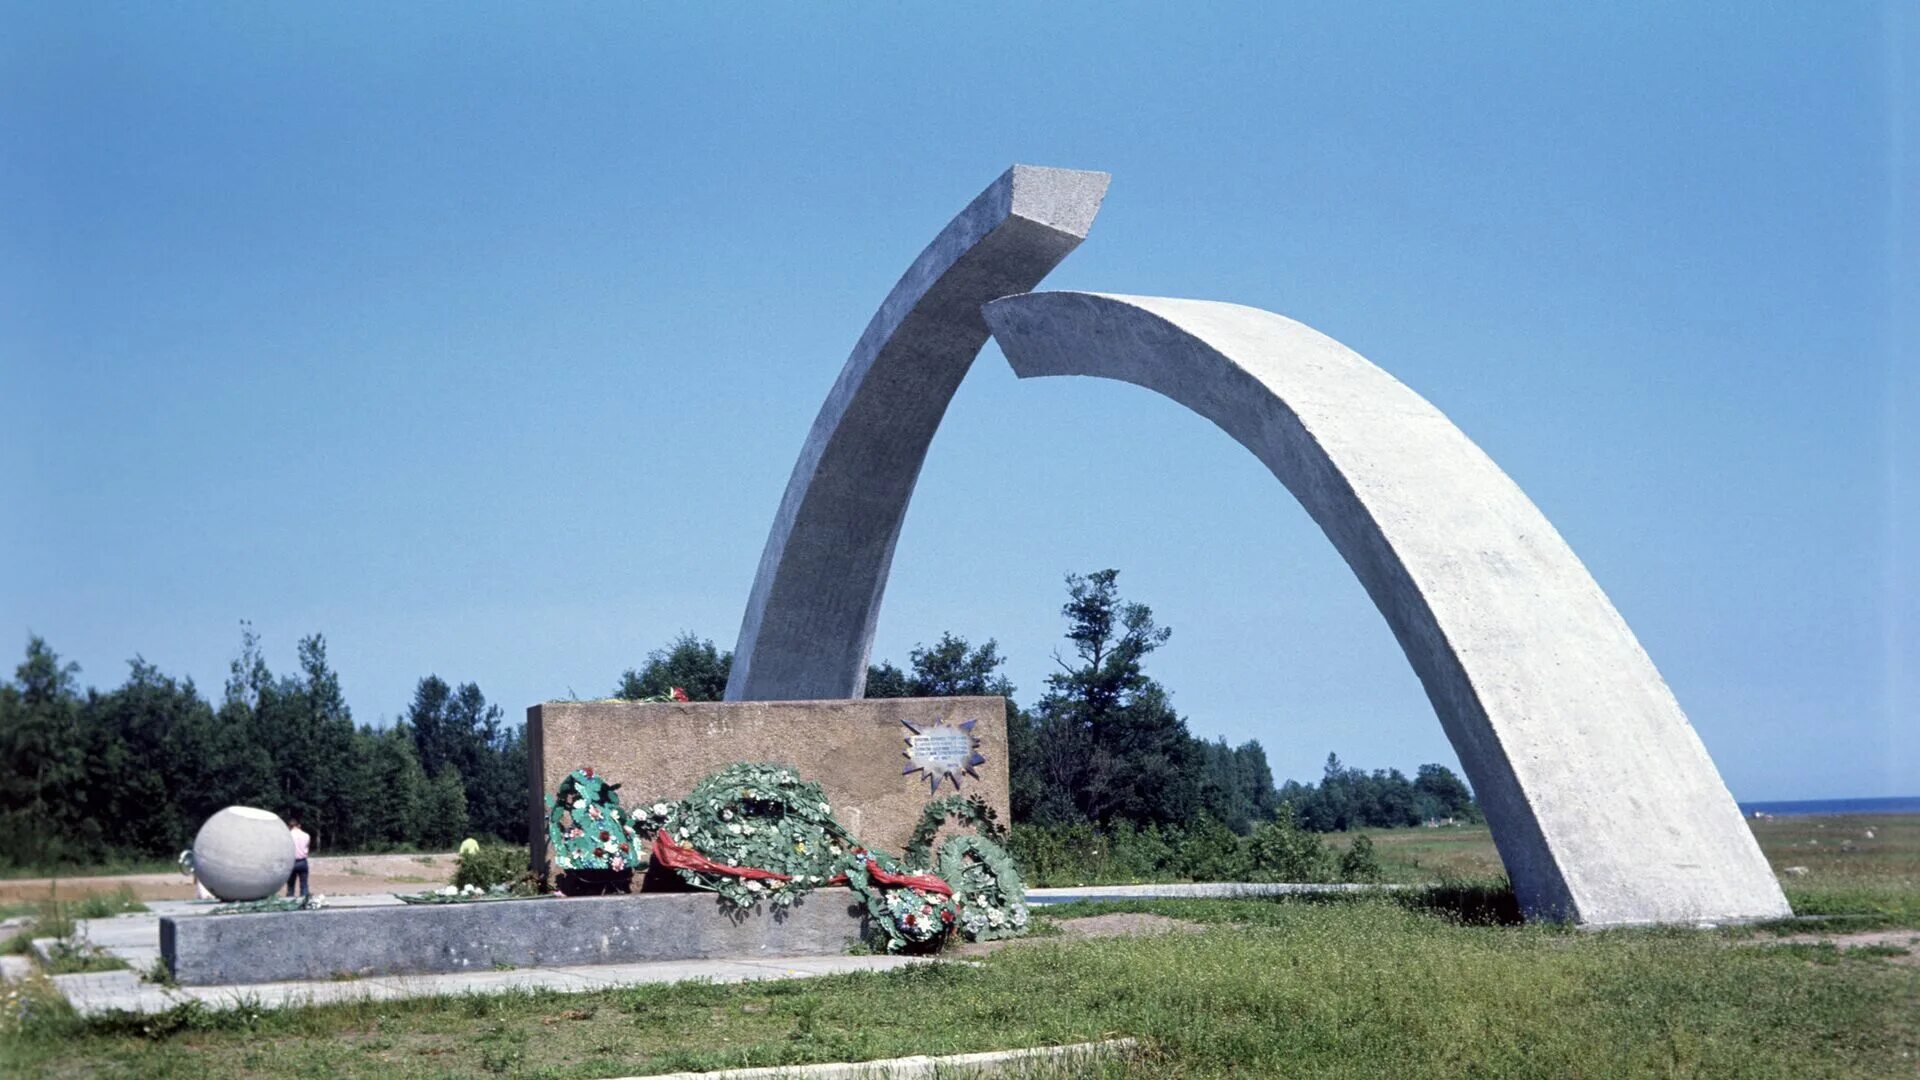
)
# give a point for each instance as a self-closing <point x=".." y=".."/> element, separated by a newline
<point x="243" y="854"/>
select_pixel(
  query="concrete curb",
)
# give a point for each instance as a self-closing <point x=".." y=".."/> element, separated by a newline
<point x="1216" y="890"/>
<point x="902" y="1068"/>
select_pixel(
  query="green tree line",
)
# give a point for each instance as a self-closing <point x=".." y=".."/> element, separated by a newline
<point x="93" y="776"/>
<point x="98" y="776"/>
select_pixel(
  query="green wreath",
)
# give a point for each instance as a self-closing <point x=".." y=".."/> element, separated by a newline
<point x="586" y="828"/>
<point x="969" y="810"/>
<point x="760" y="818"/>
<point x="987" y="892"/>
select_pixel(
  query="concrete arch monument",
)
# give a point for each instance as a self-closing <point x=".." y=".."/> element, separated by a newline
<point x="1602" y="799"/>
<point x="809" y="622"/>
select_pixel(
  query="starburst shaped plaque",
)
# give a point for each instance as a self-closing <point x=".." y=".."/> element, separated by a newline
<point x="942" y="752"/>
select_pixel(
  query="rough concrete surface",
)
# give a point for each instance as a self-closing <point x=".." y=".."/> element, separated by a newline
<point x="1032" y="1061"/>
<point x="480" y="937"/>
<point x="1601" y="798"/>
<point x="810" y="618"/>
<point x="853" y="748"/>
<point x="123" y="991"/>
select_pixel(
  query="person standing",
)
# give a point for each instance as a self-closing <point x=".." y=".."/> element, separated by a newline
<point x="302" y="843"/>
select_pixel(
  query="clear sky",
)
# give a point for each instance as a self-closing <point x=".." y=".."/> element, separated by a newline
<point x="482" y="338"/>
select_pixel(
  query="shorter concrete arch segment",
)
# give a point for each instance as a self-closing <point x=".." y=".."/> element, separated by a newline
<point x="1601" y="797"/>
<point x="809" y="623"/>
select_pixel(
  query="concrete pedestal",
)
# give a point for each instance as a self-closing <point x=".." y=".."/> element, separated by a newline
<point x="544" y="932"/>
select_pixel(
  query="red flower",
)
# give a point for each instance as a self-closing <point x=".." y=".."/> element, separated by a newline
<point x="606" y="836"/>
<point x="946" y="915"/>
<point x="624" y="847"/>
<point x="678" y="694"/>
<point x="909" y="920"/>
<point x="589" y="772"/>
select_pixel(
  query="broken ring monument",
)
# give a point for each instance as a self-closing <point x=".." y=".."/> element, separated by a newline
<point x="804" y="817"/>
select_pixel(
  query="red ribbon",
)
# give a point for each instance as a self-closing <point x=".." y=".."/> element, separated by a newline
<point x="680" y="857"/>
<point x="923" y="882"/>
<point x="675" y="857"/>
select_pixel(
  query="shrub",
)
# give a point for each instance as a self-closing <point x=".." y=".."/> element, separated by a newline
<point x="1280" y="850"/>
<point x="492" y="864"/>
<point x="1359" y="863"/>
<point x="1209" y="851"/>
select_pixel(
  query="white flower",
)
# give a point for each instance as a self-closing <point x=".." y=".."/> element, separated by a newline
<point x="825" y="809"/>
<point x="659" y="809"/>
<point x="734" y="829"/>
<point x="446" y="890"/>
<point x="753" y="886"/>
<point x="579" y="804"/>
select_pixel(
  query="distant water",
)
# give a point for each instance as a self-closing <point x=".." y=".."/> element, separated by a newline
<point x="1900" y="804"/>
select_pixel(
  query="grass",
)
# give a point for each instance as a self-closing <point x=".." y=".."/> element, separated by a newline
<point x="54" y="918"/>
<point x="1348" y="987"/>
<point x="1432" y="982"/>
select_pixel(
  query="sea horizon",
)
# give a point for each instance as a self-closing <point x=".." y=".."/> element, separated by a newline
<point x="1894" y="804"/>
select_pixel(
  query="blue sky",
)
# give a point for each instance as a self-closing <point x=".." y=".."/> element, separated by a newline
<point x="482" y="338"/>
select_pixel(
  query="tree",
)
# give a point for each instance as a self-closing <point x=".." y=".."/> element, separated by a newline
<point x="1238" y="786"/>
<point x="689" y="662"/>
<point x="1348" y="798"/>
<point x="457" y="729"/>
<point x="951" y="667"/>
<point x="43" y="763"/>
<point x="1443" y="794"/>
<point x="444" y="821"/>
<point x="886" y="681"/>
<point x="1109" y="738"/>
<point x="394" y="805"/>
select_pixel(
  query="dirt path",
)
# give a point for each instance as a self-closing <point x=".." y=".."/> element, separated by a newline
<point x="329" y="875"/>
<point x="1908" y="940"/>
<point x="1091" y="927"/>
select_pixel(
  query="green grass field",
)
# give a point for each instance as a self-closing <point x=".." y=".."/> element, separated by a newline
<point x="1416" y="984"/>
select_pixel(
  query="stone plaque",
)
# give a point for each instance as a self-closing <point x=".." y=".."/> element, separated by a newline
<point x="853" y="748"/>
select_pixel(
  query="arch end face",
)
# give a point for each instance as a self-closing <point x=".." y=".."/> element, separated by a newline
<point x="1064" y="200"/>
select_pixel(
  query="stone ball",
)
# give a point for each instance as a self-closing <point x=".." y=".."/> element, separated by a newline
<point x="243" y="854"/>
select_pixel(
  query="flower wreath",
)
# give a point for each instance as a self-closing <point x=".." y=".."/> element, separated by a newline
<point x="586" y="828"/>
<point x="750" y="831"/>
<point x="759" y="831"/>
<point x="912" y="911"/>
<point x="987" y="890"/>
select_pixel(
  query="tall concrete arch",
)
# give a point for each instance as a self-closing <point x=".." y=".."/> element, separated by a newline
<point x="809" y="622"/>
<point x="1601" y="797"/>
